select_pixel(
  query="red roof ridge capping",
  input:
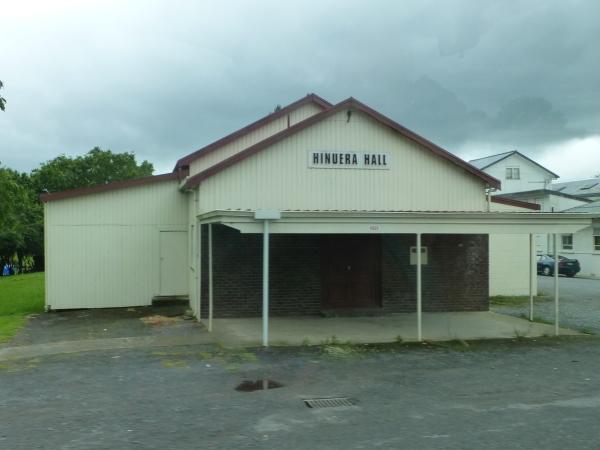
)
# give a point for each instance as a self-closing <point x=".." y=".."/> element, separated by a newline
<point x="310" y="98"/>
<point x="352" y="103"/>
<point x="51" y="196"/>
<point x="513" y="202"/>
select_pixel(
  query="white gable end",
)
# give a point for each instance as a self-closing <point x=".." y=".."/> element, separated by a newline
<point x="530" y="175"/>
<point x="280" y="176"/>
<point x="299" y="114"/>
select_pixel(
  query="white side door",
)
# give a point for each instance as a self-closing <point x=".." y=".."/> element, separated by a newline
<point x="173" y="263"/>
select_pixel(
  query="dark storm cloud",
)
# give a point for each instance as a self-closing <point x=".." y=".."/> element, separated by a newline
<point x="442" y="116"/>
<point x="164" y="78"/>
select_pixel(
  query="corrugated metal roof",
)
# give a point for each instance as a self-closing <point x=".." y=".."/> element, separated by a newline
<point x="581" y="188"/>
<point x="592" y="208"/>
<point x="543" y="192"/>
<point x="482" y="163"/>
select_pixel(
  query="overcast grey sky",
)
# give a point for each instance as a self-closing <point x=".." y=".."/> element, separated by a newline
<point x="164" y="78"/>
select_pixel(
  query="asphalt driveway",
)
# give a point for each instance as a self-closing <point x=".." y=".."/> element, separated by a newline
<point x="106" y="323"/>
<point x="522" y="394"/>
<point x="579" y="303"/>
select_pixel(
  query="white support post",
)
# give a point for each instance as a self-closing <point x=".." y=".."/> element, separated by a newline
<point x="210" y="278"/>
<point x="556" y="270"/>
<point x="199" y="274"/>
<point x="532" y="274"/>
<point x="265" y="307"/>
<point x="419" y="294"/>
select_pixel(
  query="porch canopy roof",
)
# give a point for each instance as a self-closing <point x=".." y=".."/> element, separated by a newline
<point x="402" y="222"/>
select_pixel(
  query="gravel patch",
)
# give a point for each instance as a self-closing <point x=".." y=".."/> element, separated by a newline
<point x="579" y="304"/>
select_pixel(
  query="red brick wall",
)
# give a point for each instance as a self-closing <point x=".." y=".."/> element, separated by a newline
<point x="455" y="278"/>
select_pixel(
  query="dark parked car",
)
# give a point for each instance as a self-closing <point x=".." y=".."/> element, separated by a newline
<point x="566" y="266"/>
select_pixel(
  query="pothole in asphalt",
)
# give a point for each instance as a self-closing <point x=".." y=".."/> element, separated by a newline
<point x="257" y="385"/>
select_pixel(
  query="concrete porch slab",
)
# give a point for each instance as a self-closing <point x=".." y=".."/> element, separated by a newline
<point x="389" y="328"/>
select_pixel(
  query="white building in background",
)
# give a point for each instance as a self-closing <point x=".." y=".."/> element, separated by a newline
<point x="525" y="180"/>
<point x="584" y="245"/>
<point x="549" y="201"/>
<point x="516" y="171"/>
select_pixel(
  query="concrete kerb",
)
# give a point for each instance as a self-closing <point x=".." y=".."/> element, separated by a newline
<point x="89" y="345"/>
<point x="243" y="333"/>
<point x="294" y="331"/>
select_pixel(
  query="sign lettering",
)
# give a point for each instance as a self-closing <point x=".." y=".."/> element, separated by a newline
<point x="348" y="160"/>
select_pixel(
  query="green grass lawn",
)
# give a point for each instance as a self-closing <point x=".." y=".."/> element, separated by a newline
<point x="20" y="295"/>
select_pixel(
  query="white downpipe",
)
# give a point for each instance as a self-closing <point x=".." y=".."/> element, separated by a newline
<point x="532" y="273"/>
<point x="210" y="278"/>
<point x="419" y="294"/>
<point x="556" y="270"/>
<point x="265" y="306"/>
<point x="199" y="273"/>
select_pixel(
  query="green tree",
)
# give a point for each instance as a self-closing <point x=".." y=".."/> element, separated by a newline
<point x="2" y="99"/>
<point x="18" y="221"/>
<point x="95" y="167"/>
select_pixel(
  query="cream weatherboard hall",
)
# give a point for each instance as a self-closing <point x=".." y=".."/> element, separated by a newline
<point x="316" y="208"/>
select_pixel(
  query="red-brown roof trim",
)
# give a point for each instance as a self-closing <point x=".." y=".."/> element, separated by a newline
<point x="350" y="103"/>
<point x="310" y="98"/>
<point x="513" y="202"/>
<point x="52" y="196"/>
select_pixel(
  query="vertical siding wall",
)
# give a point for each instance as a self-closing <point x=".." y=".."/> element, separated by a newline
<point x="279" y="176"/>
<point x="102" y="250"/>
<point x="509" y="264"/>
<point x="509" y="260"/>
<point x="298" y="115"/>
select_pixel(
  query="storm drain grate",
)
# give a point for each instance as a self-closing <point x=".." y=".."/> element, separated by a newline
<point x="333" y="402"/>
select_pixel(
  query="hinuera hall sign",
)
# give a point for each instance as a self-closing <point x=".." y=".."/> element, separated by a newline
<point x="348" y="160"/>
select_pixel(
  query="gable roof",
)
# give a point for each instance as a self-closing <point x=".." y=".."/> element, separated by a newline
<point x="583" y="188"/>
<point x="487" y="161"/>
<point x="353" y="104"/>
<point x="310" y="98"/>
<point x="51" y="196"/>
<point x="482" y="163"/>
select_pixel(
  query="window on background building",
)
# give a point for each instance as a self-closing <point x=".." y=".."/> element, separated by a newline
<point x="597" y="239"/>
<point x="513" y="173"/>
<point x="567" y="242"/>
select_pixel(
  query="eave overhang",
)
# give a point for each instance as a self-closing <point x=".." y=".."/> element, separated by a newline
<point x="403" y="222"/>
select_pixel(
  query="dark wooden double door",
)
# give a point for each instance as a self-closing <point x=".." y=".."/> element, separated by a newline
<point x="351" y="269"/>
